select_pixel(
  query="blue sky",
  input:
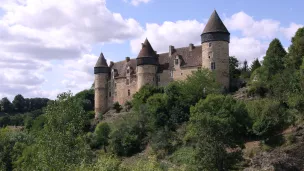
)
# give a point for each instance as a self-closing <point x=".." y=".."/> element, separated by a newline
<point x="50" y="47"/>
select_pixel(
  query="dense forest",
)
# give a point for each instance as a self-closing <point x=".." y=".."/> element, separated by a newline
<point x="187" y="125"/>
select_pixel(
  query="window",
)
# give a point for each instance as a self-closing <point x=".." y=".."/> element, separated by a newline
<point x="181" y="73"/>
<point x="129" y="93"/>
<point x="109" y="94"/>
<point x="128" y="71"/>
<point x="209" y="44"/>
<point x="127" y="81"/>
<point x="171" y="74"/>
<point x="176" y="61"/>
<point x="115" y="85"/>
<point x="212" y="65"/>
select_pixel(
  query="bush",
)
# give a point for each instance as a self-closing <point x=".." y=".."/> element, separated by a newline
<point x="102" y="132"/>
<point x="117" y="107"/>
<point x="128" y="106"/>
<point x="268" y="116"/>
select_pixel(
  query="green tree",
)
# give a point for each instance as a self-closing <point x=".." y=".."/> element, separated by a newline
<point x="233" y="67"/>
<point x="267" y="115"/>
<point x="19" y="103"/>
<point x="6" y="105"/>
<point x="255" y="65"/>
<point x="59" y="145"/>
<point x="275" y="57"/>
<point x="217" y="123"/>
<point x="296" y="50"/>
<point x="102" y="132"/>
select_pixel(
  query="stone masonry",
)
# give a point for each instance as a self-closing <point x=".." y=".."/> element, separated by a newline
<point x="119" y="81"/>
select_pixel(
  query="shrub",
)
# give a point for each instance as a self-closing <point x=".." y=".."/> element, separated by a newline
<point x="117" y="107"/>
<point x="267" y="115"/>
<point x="128" y="106"/>
<point x="102" y="132"/>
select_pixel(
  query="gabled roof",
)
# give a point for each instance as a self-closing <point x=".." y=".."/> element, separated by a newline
<point x="146" y="50"/>
<point x="101" y="62"/>
<point x="215" y="24"/>
<point x="166" y="62"/>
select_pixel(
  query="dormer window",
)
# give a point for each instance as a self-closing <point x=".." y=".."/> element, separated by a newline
<point x="113" y="73"/>
<point x="212" y="65"/>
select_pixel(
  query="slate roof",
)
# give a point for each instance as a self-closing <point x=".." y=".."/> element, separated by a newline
<point x="215" y="24"/>
<point x="146" y="50"/>
<point x="189" y="59"/>
<point x="101" y="62"/>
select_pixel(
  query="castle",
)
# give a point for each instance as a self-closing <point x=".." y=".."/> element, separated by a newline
<point x="119" y="81"/>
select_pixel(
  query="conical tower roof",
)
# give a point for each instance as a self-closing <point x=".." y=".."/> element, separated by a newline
<point x="101" y="62"/>
<point x="215" y="24"/>
<point x="146" y="50"/>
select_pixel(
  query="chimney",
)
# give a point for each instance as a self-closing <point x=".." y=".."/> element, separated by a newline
<point x="127" y="59"/>
<point x="191" y="47"/>
<point x="111" y="63"/>
<point x="171" y="50"/>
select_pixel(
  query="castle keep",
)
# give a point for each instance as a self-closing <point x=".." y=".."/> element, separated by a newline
<point x="119" y="81"/>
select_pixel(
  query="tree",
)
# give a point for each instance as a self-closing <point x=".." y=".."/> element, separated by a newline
<point x="296" y="50"/>
<point x="117" y="107"/>
<point x="102" y="132"/>
<point x="255" y="64"/>
<point x="60" y="144"/>
<point x="19" y="103"/>
<point x="233" y="67"/>
<point x="217" y="123"/>
<point x="275" y="57"/>
<point x="6" y="105"/>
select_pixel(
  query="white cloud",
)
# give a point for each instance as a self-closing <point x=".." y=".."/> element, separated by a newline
<point x="137" y="2"/>
<point x="247" y="48"/>
<point x="265" y="28"/>
<point x="33" y="33"/>
<point x="179" y="34"/>
<point x="290" y="31"/>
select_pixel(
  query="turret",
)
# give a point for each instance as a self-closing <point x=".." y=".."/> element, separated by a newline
<point x="215" y="49"/>
<point x="146" y="65"/>
<point x="101" y="71"/>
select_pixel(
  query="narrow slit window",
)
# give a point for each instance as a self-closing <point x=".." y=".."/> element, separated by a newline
<point x="212" y="65"/>
<point x="129" y="93"/>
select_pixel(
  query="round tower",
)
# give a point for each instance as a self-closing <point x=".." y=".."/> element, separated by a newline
<point x="146" y="65"/>
<point x="215" y="49"/>
<point x="101" y="71"/>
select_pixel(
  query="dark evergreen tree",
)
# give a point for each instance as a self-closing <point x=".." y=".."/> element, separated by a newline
<point x="19" y="103"/>
<point x="296" y="50"/>
<point x="255" y="64"/>
<point x="5" y="105"/>
<point x="275" y="57"/>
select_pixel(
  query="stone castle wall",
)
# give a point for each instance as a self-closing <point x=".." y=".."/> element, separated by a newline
<point x="101" y="91"/>
<point x="146" y="74"/>
<point x="217" y="52"/>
